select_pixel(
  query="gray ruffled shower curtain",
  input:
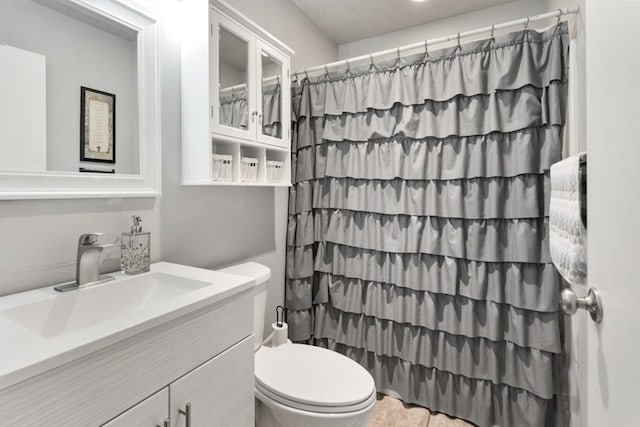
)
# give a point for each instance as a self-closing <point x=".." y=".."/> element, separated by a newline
<point x="417" y="238"/>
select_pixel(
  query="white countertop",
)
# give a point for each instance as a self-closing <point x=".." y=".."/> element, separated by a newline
<point x="25" y="353"/>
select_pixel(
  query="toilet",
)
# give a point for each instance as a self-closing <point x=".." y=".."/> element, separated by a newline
<point x="303" y="385"/>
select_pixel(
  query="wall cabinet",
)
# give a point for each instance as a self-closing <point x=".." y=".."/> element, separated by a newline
<point x="236" y="103"/>
<point x="204" y="359"/>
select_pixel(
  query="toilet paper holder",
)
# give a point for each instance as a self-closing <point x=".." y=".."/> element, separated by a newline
<point x="279" y="316"/>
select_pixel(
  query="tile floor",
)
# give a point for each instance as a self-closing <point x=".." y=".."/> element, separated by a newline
<point x="390" y="412"/>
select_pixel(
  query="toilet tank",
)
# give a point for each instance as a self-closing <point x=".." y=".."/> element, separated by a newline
<point x="261" y="274"/>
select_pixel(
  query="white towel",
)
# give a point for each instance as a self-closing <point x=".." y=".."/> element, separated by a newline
<point x="567" y="239"/>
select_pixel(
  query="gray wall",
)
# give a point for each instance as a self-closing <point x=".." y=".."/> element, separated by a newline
<point x="465" y="22"/>
<point x="216" y="226"/>
<point x="200" y="226"/>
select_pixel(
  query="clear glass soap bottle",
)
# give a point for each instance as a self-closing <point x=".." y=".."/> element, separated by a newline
<point x="135" y="256"/>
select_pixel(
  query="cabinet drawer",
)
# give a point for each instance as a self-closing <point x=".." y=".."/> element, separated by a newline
<point x="94" y="389"/>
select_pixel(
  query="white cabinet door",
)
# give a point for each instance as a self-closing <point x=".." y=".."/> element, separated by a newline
<point x="274" y="111"/>
<point x="233" y="79"/>
<point x="150" y="412"/>
<point x="219" y="393"/>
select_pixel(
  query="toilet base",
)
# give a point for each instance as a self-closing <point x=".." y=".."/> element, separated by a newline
<point x="273" y="414"/>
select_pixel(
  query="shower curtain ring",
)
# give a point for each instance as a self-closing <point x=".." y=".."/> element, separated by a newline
<point x="326" y="70"/>
<point x="559" y="16"/>
<point x="493" y="32"/>
<point x="306" y="74"/>
<point x="372" y="64"/>
<point x="426" y="48"/>
<point x="398" y="53"/>
<point x="459" y="45"/>
<point x="348" y="67"/>
<point x="526" y="24"/>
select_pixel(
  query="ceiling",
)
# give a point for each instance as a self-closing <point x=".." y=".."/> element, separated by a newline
<point x="345" y="21"/>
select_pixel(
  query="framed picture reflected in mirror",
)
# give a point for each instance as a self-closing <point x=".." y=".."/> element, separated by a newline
<point x="97" y="126"/>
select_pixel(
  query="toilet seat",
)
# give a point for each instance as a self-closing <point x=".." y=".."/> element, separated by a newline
<point x="313" y="379"/>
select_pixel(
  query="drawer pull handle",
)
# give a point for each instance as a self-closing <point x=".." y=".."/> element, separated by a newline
<point x="167" y="423"/>
<point x="187" y="414"/>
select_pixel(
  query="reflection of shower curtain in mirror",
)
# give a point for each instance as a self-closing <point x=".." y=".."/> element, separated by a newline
<point x="271" y="124"/>
<point x="234" y="111"/>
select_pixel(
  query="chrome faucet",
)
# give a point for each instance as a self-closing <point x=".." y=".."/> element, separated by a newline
<point x="87" y="264"/>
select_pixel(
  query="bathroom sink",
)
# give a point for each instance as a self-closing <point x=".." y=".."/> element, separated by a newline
<point x="85" y="307"/>
<point x="42" y="329"/>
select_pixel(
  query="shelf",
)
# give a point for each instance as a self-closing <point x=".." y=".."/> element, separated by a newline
<point x="219" y="138"/>
<point x="235" y="184"/>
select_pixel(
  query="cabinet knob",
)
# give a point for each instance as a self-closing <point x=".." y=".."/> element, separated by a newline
<point x="187" y="414"/>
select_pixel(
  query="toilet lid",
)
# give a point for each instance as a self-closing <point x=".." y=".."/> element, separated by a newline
<point x="313" y="377"/>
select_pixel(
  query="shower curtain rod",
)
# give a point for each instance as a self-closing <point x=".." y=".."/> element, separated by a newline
<point x="244" y="85"/>
<point x="371" y="56"/>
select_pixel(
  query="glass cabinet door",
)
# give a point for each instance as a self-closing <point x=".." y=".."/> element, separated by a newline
<point x="233" y="90"/>
<point x="273" y="90"/>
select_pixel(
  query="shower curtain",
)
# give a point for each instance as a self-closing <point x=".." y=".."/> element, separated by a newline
<point x="417" y="235"/>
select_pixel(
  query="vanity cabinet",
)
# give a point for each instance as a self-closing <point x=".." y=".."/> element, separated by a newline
<point x="236" y="103"/>
<point x="203" y="358"/>
<point x="216" y="394"/>
<point x="153" y="411"/>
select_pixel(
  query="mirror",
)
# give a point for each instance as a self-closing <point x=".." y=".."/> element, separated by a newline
<point x="234" y="95"/>
<point x="271" y="96"/>
<point x="77" y="118"/>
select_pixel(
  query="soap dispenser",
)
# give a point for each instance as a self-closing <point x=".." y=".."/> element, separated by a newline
<point x="136" y="249"/>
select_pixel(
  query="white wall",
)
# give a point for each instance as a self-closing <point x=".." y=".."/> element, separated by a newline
<point x="200" y="226"/>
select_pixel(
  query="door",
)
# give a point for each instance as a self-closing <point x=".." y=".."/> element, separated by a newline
<point x="274" y="112"/>
<point x="608" y="395"/>
<point x="218" y="393"/>
<point x="233" y="79"/>
<point x="151" y="412"/>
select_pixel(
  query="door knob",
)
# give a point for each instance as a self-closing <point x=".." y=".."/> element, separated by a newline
<point x="570" y="303"/>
